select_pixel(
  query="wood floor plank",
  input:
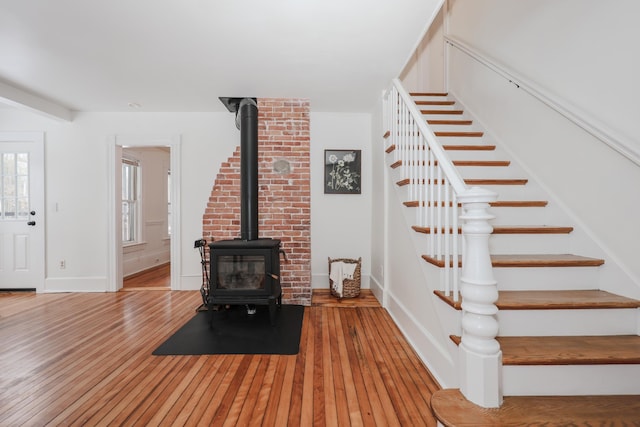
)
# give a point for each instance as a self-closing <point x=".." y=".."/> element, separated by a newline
<point x="328" y="382"/>
<point x="377" y="366"/>
<point x="393" y="382"/>
<point x="354" y="354"/>
<point x="317" y="382"/>
<point x="264" y="387"/>
<point x="307" y="402"/>
<point x="411" y="390"/>
<point x="371" y="401"/>
<point x="282" y="412"/>
<point x="243" y="396"/>
<point x="297" y="386"/>
<point x="341" y="392"/>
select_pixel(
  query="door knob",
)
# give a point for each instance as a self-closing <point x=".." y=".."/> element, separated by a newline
<point x="32" y="213"/>
<point x="31" y="223"/>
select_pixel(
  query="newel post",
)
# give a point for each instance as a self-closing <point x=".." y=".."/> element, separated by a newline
<point x="480" y="357"/>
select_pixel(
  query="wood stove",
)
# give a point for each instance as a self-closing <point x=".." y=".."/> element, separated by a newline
<point x="246" y="270"/>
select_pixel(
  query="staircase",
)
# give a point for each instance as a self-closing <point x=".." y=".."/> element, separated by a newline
<point x="562" y="338"/>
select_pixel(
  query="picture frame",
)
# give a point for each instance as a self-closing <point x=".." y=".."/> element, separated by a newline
<point x="342" y="171"/>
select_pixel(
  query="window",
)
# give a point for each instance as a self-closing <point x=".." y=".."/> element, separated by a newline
<point x="14" y="186"/>
<point x="130" y="201"/>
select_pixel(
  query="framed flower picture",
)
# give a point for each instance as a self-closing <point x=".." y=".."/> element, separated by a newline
<point x="342" y="172"/>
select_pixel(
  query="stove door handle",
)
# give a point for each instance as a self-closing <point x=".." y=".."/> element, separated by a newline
<point x="284" y="254"/>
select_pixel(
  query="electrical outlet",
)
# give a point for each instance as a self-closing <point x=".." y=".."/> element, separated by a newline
<point x="63" y="264"/>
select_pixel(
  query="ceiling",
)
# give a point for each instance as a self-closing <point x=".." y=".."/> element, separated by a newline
<point x="181" y="55"/>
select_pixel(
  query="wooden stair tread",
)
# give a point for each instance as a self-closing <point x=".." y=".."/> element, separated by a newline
<point x="461" y="147"/>
<point x="469" y="147"/>
<point x="532" y="260"/>
<point x="484" y="163"/>
<point x="444" y="112"/>
<point x="453" y="410"/>
<point x="569" y="350"/>
<point x="518" y="203"/>
<point x="446" y="102"/>
<point x="552" y="300"/>
<point x="450" y="122"/>
<point x="498" y="204"/>
<point x="487" y="181"/>
<point x="505" y="181"/>
<point x="487" y="163"/>
<point x="428" y="93"/>
<point x="512" y="229"/>
<point x="481" y="163"/>
<point x="459" y="134"/>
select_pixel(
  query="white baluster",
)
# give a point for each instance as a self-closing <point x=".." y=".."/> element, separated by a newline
<point x="454" y="250"/>
<point x="432" y="207"/>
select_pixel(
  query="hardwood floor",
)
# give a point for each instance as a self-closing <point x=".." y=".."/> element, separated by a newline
<point x="85" y="359"/>
<point x="157" y="278"/>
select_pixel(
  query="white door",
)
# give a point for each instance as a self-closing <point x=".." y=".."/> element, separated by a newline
<point x="22" y="210"/>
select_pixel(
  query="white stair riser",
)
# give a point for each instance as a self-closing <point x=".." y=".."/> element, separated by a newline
<point x="529" y="243"/>
<point x="519" y="243"/>
<point x="572" y="380"/>
<point x="546" y="278"/>
<point x="488" y="172"/>
<point x="474" y="155"/>
<point x="520" y="216"/>
<point x="525" y="215"/>
<point x="568" y="322"/>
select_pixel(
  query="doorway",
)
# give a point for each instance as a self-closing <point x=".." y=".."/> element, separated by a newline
<point x="146" y="218"/>
<point x="136" y="240"/>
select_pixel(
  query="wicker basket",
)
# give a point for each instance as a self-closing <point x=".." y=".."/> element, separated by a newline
<point x="350" y="287"/>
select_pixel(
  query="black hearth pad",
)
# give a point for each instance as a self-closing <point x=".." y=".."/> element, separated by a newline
<point x="236" y="332"/>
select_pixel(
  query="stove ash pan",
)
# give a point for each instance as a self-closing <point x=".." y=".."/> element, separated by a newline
<point x="245" y="272"/>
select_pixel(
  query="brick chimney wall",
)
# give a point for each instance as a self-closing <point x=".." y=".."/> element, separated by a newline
<point x="284" y="196"/>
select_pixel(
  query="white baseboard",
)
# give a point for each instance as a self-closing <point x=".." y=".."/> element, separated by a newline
<point x="75" y="284"/>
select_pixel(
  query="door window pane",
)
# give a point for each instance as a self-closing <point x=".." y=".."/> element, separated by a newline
<point x="14" y="191"/>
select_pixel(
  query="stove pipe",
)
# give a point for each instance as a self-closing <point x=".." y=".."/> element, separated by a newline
<point x="247" y="122"/>
<point x="246" y="110"/>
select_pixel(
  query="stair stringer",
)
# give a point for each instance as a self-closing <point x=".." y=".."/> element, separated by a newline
<point x="612" y="276"/>
<point x="423" y="318"/>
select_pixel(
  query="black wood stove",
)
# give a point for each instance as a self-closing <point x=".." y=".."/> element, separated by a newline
<point x="246" y="270"/>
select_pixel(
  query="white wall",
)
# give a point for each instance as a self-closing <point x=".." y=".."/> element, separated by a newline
<point x="583" y="52"/>
<point x="76" y="182"/>
<point x="340" y="223"/>
<point x="425" y="70"/>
